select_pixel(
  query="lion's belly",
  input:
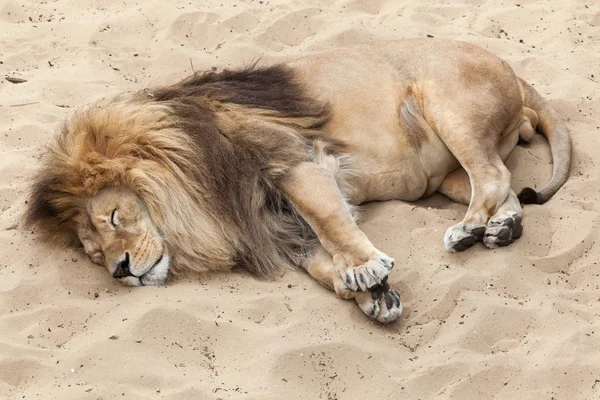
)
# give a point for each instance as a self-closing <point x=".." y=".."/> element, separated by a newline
<point x="399" y="172"/>
<point x="388" y="181"/>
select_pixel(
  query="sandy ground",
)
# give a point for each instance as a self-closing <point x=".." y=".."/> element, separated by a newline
<point x="517" y="323"/>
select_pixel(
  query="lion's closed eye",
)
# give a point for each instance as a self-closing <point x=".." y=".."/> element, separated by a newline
<point x="114" y="218"/>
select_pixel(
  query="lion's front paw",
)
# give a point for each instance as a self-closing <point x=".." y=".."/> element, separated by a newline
<point x="380" y="303"/>
<point x="368" y="275"/>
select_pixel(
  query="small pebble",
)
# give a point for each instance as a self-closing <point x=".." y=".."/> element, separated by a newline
<point x="13" y="79"/>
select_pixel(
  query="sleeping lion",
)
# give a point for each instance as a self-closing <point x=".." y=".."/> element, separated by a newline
<point x="261" y="167"/>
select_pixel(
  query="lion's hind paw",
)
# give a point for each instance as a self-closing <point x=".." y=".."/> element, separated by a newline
<point x="503" y="231"/>
<point x="380" y="303"/>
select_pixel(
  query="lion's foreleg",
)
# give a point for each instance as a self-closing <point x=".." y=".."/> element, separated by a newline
<point x="380" y="302"/>
<point x="312" y="189"/>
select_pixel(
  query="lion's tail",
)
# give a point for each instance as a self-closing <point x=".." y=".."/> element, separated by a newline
<point x="559" y="139"/>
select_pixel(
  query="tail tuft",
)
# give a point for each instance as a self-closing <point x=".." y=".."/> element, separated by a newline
<point x="529" y="196"/>
<point x="559" y="138"/>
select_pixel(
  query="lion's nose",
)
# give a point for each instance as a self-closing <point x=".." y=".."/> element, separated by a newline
<point x="122" y="270"/>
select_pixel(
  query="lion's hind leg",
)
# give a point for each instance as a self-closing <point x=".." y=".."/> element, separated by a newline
<point x="456" y="186"/>
<point x="494" y="214"/>
<point x="379" y="302"/>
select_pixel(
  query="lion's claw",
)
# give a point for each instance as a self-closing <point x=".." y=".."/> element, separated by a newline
<point x="369" y="275"/>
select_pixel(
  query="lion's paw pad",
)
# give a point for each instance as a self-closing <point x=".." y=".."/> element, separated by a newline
<point x="503" y="231"/>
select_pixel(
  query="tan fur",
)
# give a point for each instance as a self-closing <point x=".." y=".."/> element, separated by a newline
<point x="262" y="167"/>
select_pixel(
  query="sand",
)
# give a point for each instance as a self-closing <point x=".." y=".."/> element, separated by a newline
<point x="521" y="322"/>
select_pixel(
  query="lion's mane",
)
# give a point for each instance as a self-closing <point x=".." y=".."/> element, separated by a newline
<point x="205" y="155"/>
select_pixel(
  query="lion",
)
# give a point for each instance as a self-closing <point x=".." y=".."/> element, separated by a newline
<point x="262" y="166"/>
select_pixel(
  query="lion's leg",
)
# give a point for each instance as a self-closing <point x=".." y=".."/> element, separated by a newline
<point x="457" y="187"/>
<point x="484" y="176"/>
<point x="487" y="180"/>
<point x="313" y="191"/>
<point x="380" y="302"/>
<point x="456" y="184"/>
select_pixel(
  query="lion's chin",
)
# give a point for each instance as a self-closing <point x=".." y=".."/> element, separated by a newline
<point x="156" y="276"/>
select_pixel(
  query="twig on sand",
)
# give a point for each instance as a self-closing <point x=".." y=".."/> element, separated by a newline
<point x="24" y="104"/>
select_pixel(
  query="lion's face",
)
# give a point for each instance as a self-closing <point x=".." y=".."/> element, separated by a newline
<point x="117" y="232"/>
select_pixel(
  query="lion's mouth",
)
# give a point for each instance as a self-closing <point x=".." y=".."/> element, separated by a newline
<point x="157" y="274"/>
<point x="152" y="267"/>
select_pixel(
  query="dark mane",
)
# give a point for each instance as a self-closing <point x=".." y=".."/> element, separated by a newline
<point x="206" y="155"/>
<point x="272" y="88"/>
<point x="244" y="164"/>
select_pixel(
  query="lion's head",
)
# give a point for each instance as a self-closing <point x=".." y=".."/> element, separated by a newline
<point x="183" y="177"/>
<point x="121" y="181"/>
<point x="116" y="231"/>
